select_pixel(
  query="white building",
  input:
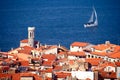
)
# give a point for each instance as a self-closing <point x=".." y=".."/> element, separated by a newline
<point x="78" y="46"/>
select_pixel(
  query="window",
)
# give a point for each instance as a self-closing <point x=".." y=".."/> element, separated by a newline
<point x="30" y="34"/>
<point x="92" y="56"/>
<point x="109" y="59"/>
<point x="88" y="56"/>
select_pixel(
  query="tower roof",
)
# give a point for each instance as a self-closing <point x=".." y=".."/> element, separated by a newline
<point x="31" y="28"/>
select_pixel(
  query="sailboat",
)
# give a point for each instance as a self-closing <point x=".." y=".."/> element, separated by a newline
<point x="93" y="21"/>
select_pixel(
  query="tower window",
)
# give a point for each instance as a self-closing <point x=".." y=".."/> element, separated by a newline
<point x="30" y="34"/>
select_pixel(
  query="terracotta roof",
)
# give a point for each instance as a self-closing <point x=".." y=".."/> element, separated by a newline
<point x="24" y="63"/>
<point x="22" y="56"/>
<point x="105" y="64"/>
<point x="24" y="41"/>
<point x="103" y="46"/>
<point x="117" y="64"/>
<point x="93" y="61"/>
<point x="25" y="49"/>
<point x="47" y="63"/>
<point x="47" y="78"/>
<point x="50" y="57"/>
<point x="62" y="74"/>
<point x="100" y="53"/>
<point x="116" y="48"/>
<point x="57" y="68"/>
<point x="71" y="62"/>
<point x="5" y="75"/>
<point x="77" y="53"/>
<point x="115" y="55"/>
<point x="80" y="44"/>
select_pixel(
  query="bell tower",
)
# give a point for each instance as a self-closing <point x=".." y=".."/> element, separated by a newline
<point x="31" y="36"/>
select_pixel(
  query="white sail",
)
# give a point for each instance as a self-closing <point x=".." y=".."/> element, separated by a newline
<point x="96" y="20"/>
<point x="91" y="18"/>
<point x="93" y="21"/>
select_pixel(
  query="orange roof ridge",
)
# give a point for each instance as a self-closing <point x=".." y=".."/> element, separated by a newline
<point x="82" y="44"/>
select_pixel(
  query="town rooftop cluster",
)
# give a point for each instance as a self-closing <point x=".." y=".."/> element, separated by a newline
<point x="83" y="61"/>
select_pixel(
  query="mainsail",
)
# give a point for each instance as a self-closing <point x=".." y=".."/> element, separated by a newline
<point x="91" y="18"/>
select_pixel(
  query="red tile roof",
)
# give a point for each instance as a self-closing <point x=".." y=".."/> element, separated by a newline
<point x="25" y="49"/>
<point x="103" y="46"/>
<point x="80" y="44"/>
<point x="57" y="68"/>
<point x="50" y="57"/>
<point x="77" y="53"/>
<point x="5" y="75"/>
<point x="117" y="64"/>
<point x="71" y="62"/>
<point x="100" y="53"/>
<point x="48" y="78"/>
<point x="47" y="63"/>
<point x="24" y="63"/>
<point x="24" y="41"/>
<point x="116" y="48"/>
<point x="22" y="56"/>
<point x="62" y="74"/>
<point x="115" y="55"/>
<point x="93" y="61"/>
<point x="105" y="64"/>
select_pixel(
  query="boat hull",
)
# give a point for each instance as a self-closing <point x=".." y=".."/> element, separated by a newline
<point x="90" y="25"/>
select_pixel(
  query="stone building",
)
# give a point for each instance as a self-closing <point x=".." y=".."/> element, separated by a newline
<point x="30" y="41"/>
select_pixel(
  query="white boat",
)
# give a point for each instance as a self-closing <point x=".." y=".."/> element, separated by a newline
<point x="93" y="21"/>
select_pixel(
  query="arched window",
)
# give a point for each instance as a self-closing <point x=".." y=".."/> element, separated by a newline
<point x="88" y="56"/>
<point x="92" y="56"/>
<point x="30" y="34"/>
<point x="109" y="59"/>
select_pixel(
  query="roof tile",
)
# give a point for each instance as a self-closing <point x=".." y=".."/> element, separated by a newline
<point x="80" y="44"/>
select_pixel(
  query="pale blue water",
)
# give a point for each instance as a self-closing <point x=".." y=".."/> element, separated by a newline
<point x="58" y="21"/>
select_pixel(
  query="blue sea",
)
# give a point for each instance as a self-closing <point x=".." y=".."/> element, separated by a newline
<point x="58" y="21"/>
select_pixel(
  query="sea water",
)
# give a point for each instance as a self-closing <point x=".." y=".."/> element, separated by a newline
<point x="58" y="21"/>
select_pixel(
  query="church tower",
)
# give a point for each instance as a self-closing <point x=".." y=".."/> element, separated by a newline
<point x="31" y="36"/>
